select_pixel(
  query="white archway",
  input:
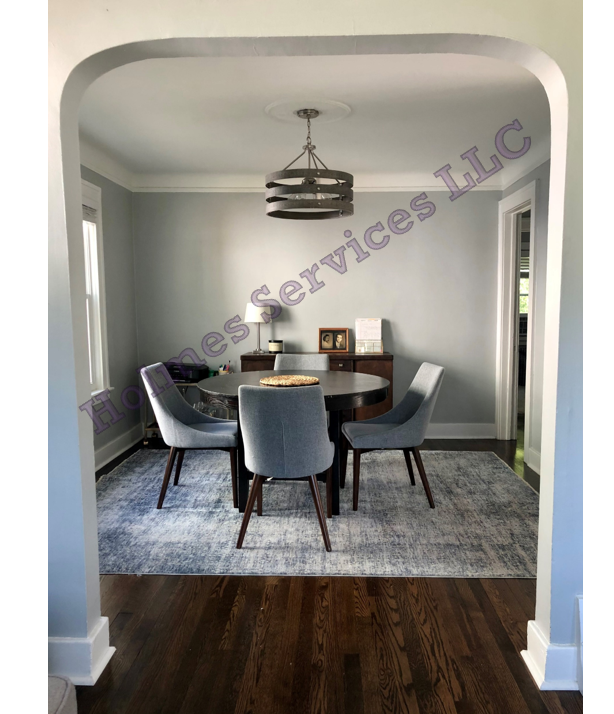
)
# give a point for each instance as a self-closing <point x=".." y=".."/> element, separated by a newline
<point x="79" y="635"/>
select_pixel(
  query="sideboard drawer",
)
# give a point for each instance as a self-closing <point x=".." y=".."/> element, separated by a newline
<point x="340" y="365"/>
<point x="257" y="363"/>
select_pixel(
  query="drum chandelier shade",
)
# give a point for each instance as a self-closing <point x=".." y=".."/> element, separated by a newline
<point x="312" y="193"/>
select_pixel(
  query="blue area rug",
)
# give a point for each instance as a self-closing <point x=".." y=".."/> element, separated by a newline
<point x="484" y="524"/>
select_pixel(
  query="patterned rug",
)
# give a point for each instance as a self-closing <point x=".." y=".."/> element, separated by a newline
<point x="484" y="524"/>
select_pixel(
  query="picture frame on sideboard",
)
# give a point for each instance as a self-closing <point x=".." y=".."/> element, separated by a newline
<point x="335" y="340"/>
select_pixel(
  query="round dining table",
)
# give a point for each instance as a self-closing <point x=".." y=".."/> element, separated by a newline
<point x="342" y="390"/>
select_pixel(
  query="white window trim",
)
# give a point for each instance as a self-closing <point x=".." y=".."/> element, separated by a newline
<point x="91" y="195"/>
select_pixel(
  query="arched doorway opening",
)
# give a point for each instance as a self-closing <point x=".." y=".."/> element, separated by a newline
<point x="72" y="494"/>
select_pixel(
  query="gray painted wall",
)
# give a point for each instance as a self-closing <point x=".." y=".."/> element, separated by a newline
<point x="191" y="260"/>
<point x="199" y="256"/>
<point x="542" y="175"/>
<point x="120" y="297"/>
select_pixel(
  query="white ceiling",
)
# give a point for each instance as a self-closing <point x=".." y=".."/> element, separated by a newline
<point x="202" y="121"/>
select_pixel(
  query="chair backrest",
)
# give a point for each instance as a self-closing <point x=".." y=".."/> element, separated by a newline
<point x="314" y="361"/>
<point x="168" y="404"/>
<point x="284" y="430"/>
<point x="417" y="405"/>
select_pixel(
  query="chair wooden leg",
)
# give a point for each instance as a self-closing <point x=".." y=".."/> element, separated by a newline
<point x="313" y="485"/>
<point x="329" y="493"/>
<point x="409" y="466"/>
<point x="180" y="455"/>
<point x="422" y="473"/>
<point x="167" y="475"/>
<point x="259" y="499"/>
<point x="233" y="476"/>
<point x="256" y="484"/>
<point x="356" y="454"/>
<point x="344" y="460"/>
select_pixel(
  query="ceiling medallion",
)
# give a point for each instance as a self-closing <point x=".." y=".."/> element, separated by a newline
<point x="321" y="193"/>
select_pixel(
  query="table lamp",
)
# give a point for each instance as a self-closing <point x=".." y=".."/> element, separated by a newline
<point x="254" y="314"/>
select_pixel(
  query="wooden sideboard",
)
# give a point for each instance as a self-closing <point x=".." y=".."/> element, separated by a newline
<point x="379" y="365"/>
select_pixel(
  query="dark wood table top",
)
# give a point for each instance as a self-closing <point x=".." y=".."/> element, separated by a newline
<point x="342" y="390"/>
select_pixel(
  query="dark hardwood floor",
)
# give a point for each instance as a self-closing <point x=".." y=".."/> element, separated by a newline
<point x="194" y="644"/>
<point x="233" y="644"/>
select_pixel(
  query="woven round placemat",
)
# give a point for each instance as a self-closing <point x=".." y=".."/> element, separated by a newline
<point x="289" y="380"/>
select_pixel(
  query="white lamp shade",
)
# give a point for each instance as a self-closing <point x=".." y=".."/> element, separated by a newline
<point x="254" y="314"/>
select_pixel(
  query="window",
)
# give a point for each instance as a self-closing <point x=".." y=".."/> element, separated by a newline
<point x="94" y="288"/>
<point x="523" y="295"/>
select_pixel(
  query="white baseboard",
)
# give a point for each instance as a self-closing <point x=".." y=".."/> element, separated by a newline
<point x="532" y="459"/>
<point x="461" y="431"/>
<point x="114" y="448"/>
<point x="81" y="659"/>
<point x="553" y="667"/>
<point x="580" y="641"/>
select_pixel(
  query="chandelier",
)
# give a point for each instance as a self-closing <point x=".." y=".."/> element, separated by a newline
<point x="321" y="193"/>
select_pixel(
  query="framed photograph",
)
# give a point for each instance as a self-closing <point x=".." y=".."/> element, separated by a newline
<point x="334" y="339"/>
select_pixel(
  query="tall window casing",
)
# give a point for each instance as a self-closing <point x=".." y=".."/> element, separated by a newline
<point x="94" y="288"/>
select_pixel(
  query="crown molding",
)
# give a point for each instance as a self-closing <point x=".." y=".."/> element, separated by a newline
<point x="218" y="183"/>
<point x="99" y="161"/>
<point x="245" y="189"/>
<point x="513" y="176"/>
<point x="102" y="163"/>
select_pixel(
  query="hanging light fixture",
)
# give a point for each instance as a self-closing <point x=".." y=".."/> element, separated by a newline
<point x="321" y="193"/>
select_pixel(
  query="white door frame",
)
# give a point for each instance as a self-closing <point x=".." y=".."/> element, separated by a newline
<point x="507" y="314"/>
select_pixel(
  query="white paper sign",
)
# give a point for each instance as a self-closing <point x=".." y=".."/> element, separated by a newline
<point x="368" y="328"/>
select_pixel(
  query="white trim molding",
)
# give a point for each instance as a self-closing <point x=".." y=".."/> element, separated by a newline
<point x="512" y="177"/>
<point x="81" y="659"/>
<point x="98" y="160"/>
<point x="553" y="667"/>
<point x="507" y="314"/>
<point x="91" y="195"/>
<point x="532" y="458"/>
<point x="460" y="431"/>
<point x="114" y="448"/>
<point x="414" y="188"/>
<point x="254" y="183"/>
<point x="580" y="641"/>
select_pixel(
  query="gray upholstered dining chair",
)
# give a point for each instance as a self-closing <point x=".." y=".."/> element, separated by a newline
<point x="183" y="427"/>
<point x="285" y="437"/>
<point x="403" y="427"/>
<point x="310" y="361"/>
